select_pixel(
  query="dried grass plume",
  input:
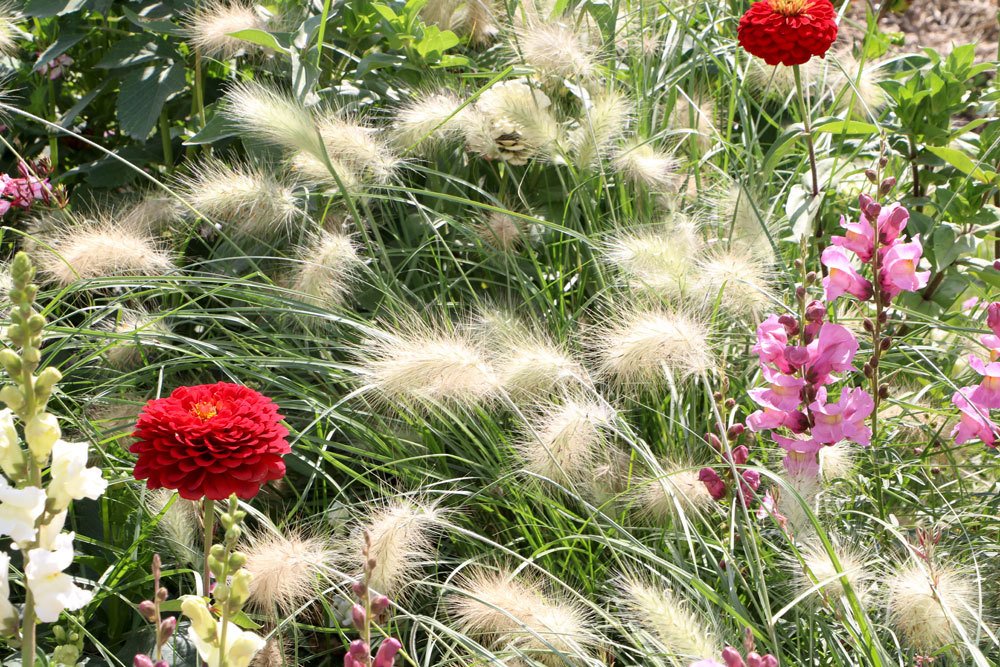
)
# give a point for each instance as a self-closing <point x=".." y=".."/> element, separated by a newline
<point x="660" y="612"/>
<point x="208" y="28"/>
<point x="287" y="567"/>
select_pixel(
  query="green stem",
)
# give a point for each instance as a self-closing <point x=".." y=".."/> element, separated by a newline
<point x="168" y="147"/>
<point x="208" y="523"/>
<point x="807" y="125"/>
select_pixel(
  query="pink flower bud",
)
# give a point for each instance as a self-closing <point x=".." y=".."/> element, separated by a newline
<point x="142" y="661"/>
<point x="386" y="655"/>
<point x="815" y="311"/>
<point x="716" y="487"/>
<point x="993" y="317"/>
<point x="754" y="660"/>
<point x="358" y="616"/>
<point x="770" y="661"/>
<point x="379" y="604"/>
<point x="147" y="609"/>
<point x="167" y="627"/>
<point x="790" y="323"/>
<point x="349" y="661"/>
<point x="359" y="649"/>
<point x="359" y="589"/>
<point x="735" y="431"/>
<point x="741" y="455"/>
<point x="161" y="663"/>
<point x="732" y="657"/>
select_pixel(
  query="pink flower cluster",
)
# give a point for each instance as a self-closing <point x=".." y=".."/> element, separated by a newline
<point x="897" y="260"/>
<point x="32" y="185"/>
<point x="359" y="652"/>
<point x="974" y="403"/>
<point x="798" y="361"/>
<point x="732" y="658"/>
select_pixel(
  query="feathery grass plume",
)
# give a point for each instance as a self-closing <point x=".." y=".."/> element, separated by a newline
<point x="429" y="363"/>
<point x="529" y="363"/>
<point x="427" y="120"/>
<point x="816" y="573"/>
<point x="556" y="50"/>
<point x="659" y="258"/>
<point x="602" y="124"/>
<point x="659" y="497"/>
<point x="738" y="281"/>
<point x="326" y="268"/>
<point x="563" y="442"/>
<point x="836" y="461"/>
<point x="640" y="347"/>
<point x="476" y="19"/>
<point x="248" y="201"/>
<point x="359" y="154"/>
<point x="274" y="654"/>
<point x="643" y="164"/>
<point x="846" y="78"/>
<point x="777" y="83"/>
<point x="97" y="249"/>
<point x="697" y="117"/>
<point x="739" y="220"/>
<point x="179" y="525"/>
<point x="272" y="115"/>
<point x="8" y="37"/>
<point x="663" y="614"/>
<point x="287" y="565"/>
<point x="208" y="27"/>
<point x="401" y="535"/>
<point x="916" y="598"/>
<point x="502" y="231"/>
<point x="505" y="610"/>
<point x="135" y="328"/>
<point x="153" y="214"/>
<point x="797" y="509"/>
<point x="512" y="122"/>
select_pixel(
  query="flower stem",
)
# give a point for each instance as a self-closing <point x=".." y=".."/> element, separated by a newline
<point x="208" y="524"/>
<point x="807" y="125"/>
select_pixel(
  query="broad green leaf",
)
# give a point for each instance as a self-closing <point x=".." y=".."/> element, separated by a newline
<point x="130" y="51"/>
<point x="847" y="127"/>
<point x="963" y="163"/>
<point x="64" y="43"/>
<point x="261" y="38"/>
<point x="801" y="209"/>
<point x="46" y="8"/>
<point x="436" y="40"/>
<point x="218" y="127"/>
<point x="143" y="94"/>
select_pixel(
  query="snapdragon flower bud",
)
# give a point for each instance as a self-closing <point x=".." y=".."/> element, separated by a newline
<point x="42" y="432"/>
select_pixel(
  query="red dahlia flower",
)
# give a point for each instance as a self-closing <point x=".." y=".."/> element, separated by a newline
<point x="788" y="32"/>
<point x="210" y="441"/>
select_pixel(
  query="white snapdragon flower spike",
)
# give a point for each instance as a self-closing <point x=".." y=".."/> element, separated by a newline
<point x="205" y="632"/>
<point x="11" y="456"/>
<point x="42" y="432"/>
<point x="71" y="478"/>
<point x="19" y="509"/>
<point x="8" y="615"/>
<point x="52" y="589"/>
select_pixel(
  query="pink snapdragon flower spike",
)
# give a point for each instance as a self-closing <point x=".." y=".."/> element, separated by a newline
<point x="899" y="268"/>
<point x="843" y="420"/>
<point x="987" y="394"/>
<point x="842" y="277"/>
<point x="832" y="351"/>
<point x="974" y="422"/>
<point x="859" y="238"/>
<point x="891" y="223"/>
<point x="772" y="339"/>
<point x="801" y="459"/>
<point x="782" y="393"/>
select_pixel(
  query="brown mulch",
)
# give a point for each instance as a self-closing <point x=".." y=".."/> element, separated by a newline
<point x="941" y="23"/>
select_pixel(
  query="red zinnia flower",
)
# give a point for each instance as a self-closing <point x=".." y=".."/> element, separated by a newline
<point x="788" y="32"/>
<point x="210" y="441"/>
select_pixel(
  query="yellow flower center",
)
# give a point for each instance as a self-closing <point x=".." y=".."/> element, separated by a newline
<point x="790" y="7"/>
<point x="204" y="410"/>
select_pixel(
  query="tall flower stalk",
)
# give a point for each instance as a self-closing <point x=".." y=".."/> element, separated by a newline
<point x="33" y="514"/>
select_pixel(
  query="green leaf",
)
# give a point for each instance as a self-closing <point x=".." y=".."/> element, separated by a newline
<point x="847" y="127"/>
<point x="153" y="25"/>
<point x="963" y="163"/>
<point x="46" y="8"/>
<point x="245" y="622"/>
<point x="129" y="51"/>
<point x="218" y="127"/>
<point x="801" y="209"/>
<point x="64" y="43"/>
<point x="436" y="40"/>
<point x="143" y="94"/>
<point x="260" y="38"/>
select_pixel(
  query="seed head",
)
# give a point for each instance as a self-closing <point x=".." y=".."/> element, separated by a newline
<point x="662" y="613"/>
<point x="563" y="442"/>
<point x="287" y="567"/>
<point x="926" y="608"/>
<point x="643" y="164"/>
<point x="327" y="266"/>
<point x="426" y="121"/>
<point x="209" y="27"/>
